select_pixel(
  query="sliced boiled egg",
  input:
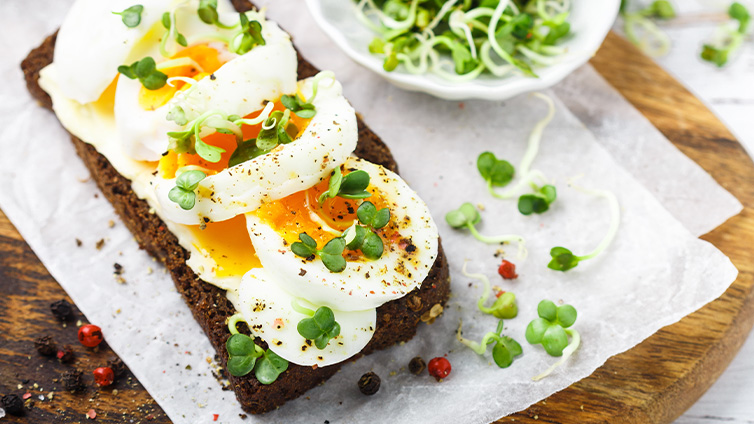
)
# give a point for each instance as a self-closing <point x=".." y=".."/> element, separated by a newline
<point x="410" y="243"/>
<point x="323" y="143"/>
<point x="264" y="73"/>
<point x="267" y="309"/>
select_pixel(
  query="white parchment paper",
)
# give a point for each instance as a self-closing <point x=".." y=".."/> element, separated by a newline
<point x="655" y="273"/>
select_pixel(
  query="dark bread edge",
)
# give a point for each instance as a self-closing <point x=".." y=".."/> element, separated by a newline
<point x="396" y="322"/>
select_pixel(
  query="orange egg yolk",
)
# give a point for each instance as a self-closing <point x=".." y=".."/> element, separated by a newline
<point x="206" y="57"/>
<point x="291" y="216"/>
<point x="229" y="245"/>
<point x="172" y="161"/>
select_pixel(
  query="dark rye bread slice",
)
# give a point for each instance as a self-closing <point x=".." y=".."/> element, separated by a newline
<point x="396" y="320"/>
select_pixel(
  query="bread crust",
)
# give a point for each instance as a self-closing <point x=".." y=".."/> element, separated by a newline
<point x="396" y="321"/>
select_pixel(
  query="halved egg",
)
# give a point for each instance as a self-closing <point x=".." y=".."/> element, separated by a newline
<point x="267" y="309"/>
<point x="325" y="143"/>
<point x="410" y="243"/>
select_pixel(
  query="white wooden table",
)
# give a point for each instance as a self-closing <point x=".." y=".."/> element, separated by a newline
<point x="729" y="93"/>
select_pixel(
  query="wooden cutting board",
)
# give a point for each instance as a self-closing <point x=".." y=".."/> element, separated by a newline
<point x="652" y="383"/>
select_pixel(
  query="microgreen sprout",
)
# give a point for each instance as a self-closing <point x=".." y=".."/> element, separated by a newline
<point x="184" y="191"/>
<point x="459" y="41"/>
<point x="729" y="38"/>
<point x="277" y="129"/>
<point x="320" y="327"/>
<point x="563" y="259"/>
<point x="190" y="141"/>
<point x="504" y="307"/>
<point x="467" y="217"/>
<point x="146" y="72"/>
<point x="503" y="353"/>
<point x="331" y="254"/>
<point x="171" y="33"/>
<point x="551" y="330"/>
<point x="305" y="109"/>
<point x="365" y="238"/>
<point x="207" y="12"/>
<point x="498" y="172"/>
<point x="131" y="16"/>
<point x="249" y="36"/>
<point x="244" y="356"/>
<point x="643" y="32"/>
<point x="350" y="186"/>
<point x="539" y="201"/>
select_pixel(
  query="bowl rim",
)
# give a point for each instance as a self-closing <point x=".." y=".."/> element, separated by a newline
<point x="474" y="89"/>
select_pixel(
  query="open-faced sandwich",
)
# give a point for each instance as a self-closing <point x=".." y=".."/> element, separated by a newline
<point x="275" y="209"/>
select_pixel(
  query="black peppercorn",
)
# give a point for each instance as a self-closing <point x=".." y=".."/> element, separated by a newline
<point x="61" y="309"/>
<point x="118" y="367"/>
<point x="416" y="366"/>
<point x="369" y="383"/>
<point x="45" y="346"/>
<point x="72" y="380"/>
<point x="13" y="404"/>
<point x="65" y="354"/>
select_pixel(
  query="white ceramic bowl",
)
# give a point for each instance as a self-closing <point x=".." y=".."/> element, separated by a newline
<point x="590" y="22"/>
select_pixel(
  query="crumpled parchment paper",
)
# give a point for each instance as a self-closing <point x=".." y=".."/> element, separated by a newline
<point x="655" y="272"/>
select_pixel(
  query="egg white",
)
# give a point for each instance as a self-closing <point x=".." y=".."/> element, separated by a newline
<point x="266" y="307"/>
<point x="265" y="72"/>
<point x="327" y="142"/>
<point x="363" y="284"/>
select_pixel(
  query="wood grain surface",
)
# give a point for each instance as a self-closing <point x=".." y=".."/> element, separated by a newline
<point x="652" y="383"/>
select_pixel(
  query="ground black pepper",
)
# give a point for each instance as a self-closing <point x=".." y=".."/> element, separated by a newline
<point x="61" y="309"/>
<point x="416" y="366"/>
<point x="369" y="383"/>
<point x="46" y="346"/>
<point x="13" y="404"/>
<point x="72" y="380"/>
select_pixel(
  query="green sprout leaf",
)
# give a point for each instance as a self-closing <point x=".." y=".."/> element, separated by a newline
<point x="549" y="329"/>
<point x="243" y="354"/>
<point x="496" y="172"/>
<point x="563" y="259"/>
<point x="661" y="9"/>
<point x="131" y="16"/>
<point x="372" y="246"/>
<point x="504" y="307"/>
<point x="358" y="237"/>
<point x="539" y="202"/>
<point x="320" y="328"/>
<point x="183" y="193"/>
<point x="331" y="254"/>
<point x="467" y="217"/>
<point x="269" y="367"/>
<point x="503" y="353"/>
<point x="246" y="151"/>
<point x="505" y="350"/>
<point x="145" y="70"/>
<point x="371" y="217"/>
<point x="351" y="186"/>
<point x="249" y="37"/>
<point x="207" y="12"/>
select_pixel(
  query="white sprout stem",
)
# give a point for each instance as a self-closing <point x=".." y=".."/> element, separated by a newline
<point x="187" y="80"/>
<point x="181" y="61"/>
<point x="655" y="42"/>
<point x="536" y="135"/>
<point x="361" y="15"/>
<point x="508" y="238"/>
<point x="457" y="23"/>
<point x="441" y="14"/>
<point x="259" y="119"/>
<point x="612" y="202"/>
<point x="187" y="168"/>
<point x="542" y="10"/>
<point x="230" y="126"/>
<point x="483" y="278"/>
<point x="233" y="322"/>
<point x="479" y="12"/>
<point x="516" y="189"/>
<point x="296" y="306"/>
<point x="538" y="58"/>
<point x="567" y="352"/>
<point x="479" y="348"/>
<point x="458" y="78"/>
<point x="497" y="70"/>
<point x="315" y="83"/>
<point x="208" y="37"/>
